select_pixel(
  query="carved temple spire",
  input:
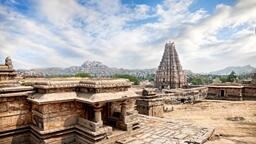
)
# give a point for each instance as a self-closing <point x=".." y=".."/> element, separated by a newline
<point x="170" y="73"/>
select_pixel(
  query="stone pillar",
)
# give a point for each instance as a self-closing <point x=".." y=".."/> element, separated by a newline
<point x="241" y="94"/>
<point x="123" y="109"/>
<point x="97" y="115"/>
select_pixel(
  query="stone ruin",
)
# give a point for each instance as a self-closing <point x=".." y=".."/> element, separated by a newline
<point x="83" y="111"/>
<point x="234" y="91"/>
<point x="64" y="111"/>
<point x="150" y="103"/>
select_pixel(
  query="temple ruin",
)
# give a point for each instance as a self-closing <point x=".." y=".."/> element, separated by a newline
<point x="233" y="91"/>
<point x="70" y="111"/>
<point x="170" y="74"/>
<point x="150" y="103"/>
<point x="83" y="111"/>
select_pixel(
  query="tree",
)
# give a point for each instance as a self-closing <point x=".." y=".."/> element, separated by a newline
<point x="231" y="77"/>
<point x="197" y="81"/>
<point x="126" y="76"/>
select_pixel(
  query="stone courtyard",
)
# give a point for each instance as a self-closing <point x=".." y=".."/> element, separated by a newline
<point x="166" y="131"/>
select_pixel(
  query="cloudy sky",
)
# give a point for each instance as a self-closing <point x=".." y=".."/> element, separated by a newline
<point x="208" y="34"/>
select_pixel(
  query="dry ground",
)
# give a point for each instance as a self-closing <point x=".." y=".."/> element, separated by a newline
<point x="234" y="121"/>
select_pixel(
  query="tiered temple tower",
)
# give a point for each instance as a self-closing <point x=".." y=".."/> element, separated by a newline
<point x="170" y="73"/>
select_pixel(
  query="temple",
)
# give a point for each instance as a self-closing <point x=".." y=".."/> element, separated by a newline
<point x="64" y="111"/>
<point x="170" y="74"/>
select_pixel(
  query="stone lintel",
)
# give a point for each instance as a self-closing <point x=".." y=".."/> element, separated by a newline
<point x="17" y="94"/>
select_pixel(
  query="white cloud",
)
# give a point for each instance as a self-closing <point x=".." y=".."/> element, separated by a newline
<point x="68" y="33"/>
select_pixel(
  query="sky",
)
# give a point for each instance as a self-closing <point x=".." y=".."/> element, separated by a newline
<point x="208" y="34"/>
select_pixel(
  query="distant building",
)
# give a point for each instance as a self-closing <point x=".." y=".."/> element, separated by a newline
<point x="170" y="74"/>
<point x="245" y="91"/>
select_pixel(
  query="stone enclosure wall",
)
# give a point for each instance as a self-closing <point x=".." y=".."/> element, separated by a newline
<point x="232" y="93"/>
<point x="189" y="95"/>
<point x="249" y="93"/>
<point x="14" y="115"/>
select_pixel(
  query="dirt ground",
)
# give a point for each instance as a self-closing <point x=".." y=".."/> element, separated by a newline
<point x="234" y="121"/>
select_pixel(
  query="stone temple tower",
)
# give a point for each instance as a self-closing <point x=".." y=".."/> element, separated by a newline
<point x="170" y="73"/>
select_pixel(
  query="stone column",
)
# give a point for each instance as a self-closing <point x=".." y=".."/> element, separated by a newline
<point x="123" y="109"/>
<point x="97" y="115"/>
<point x="241" y="94"/>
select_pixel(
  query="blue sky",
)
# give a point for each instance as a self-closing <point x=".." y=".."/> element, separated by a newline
<point x="208" y="35"/>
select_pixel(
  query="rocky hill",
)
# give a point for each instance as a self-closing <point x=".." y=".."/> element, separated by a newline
<point x="237" y="69"/>
<point x="94" y="68"/>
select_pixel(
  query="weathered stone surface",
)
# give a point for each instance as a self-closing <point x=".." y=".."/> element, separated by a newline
<point x="150" y="103"/>
<point x="232" y="92"/>
<point x="163" y="131"/>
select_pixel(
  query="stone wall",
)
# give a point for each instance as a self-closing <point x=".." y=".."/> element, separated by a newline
<point x="232" y="92"/>
<point x="189" y="95"/>
<point x="249" y="93"/>
<point x="116" y="106"/>
<point x="224" y="93"/>
<point x="14" y="115"/>
<point x="151" y="107"/>
<point x="56" y="115"/>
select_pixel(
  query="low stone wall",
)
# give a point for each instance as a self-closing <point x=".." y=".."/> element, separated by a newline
<point x="249" y="93"/>
<point x="89" y="124"/>
<point x="189" y="95"/>
<point x="225" y="92"/>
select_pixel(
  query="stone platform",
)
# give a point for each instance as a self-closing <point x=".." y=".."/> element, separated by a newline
<point x="164" y="131"/>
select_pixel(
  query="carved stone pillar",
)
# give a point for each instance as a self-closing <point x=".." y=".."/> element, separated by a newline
<point x="97" y="113"/>
<point x="123" y="109"/>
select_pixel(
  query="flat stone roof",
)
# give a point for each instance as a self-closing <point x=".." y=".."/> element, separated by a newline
<point x="105" y="83"/>
<point x="14" y="89"/>
<point x="88" y="83"/>
<point x="184" y="90"/>
<point x="224" y="86"/>
<point x="89" y="98"/>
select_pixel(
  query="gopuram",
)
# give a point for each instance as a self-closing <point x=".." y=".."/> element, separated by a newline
<point x="170" y="74"/>
<point x="171" y="80"/>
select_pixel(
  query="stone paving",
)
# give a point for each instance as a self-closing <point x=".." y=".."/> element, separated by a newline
<point x="163" y="131"/>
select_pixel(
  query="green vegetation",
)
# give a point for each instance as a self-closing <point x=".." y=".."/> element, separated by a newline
<point x="126" y="76"/>
<point x="232" y="77"/>
<point x="200" y="79"/>
<point x="149" y="77"/>
<point x="208" y="79"/>
<point x="82" y="74"/>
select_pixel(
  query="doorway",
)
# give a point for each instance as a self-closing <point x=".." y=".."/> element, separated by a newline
<point x="222" y="93"/>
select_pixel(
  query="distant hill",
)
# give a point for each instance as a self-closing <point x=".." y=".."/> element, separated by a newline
<point x="98" y="69"/>
<point x="94" y="68"/>
<point x="237" y="69"/>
